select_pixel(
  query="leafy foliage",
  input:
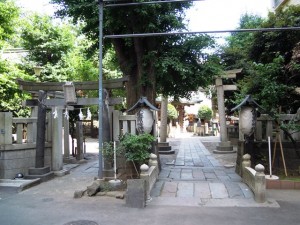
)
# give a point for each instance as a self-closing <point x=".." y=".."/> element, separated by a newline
<point x="267" y="45"/>
<point x="264" y="83"/>
<point x="108" y="150"/>
<point x="235" y="54"/>
<point x="173" y="65"/>
<point x="269" y="60"/>
<point x="9" y="17"/>
<point x="172" y="112"/>
<point x="48" y="46"/>
<point x="183" y="66"/>
<point x="137" y="147"/>
<point x="59" y="47"/>
<point x="11" y="96"/>
<point x="205" y="113"/>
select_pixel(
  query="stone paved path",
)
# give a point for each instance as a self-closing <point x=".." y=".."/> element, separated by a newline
<point x="196" y="178"/>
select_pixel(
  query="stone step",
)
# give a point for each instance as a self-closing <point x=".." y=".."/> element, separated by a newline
<point x="43" y="177"/>
<point x="165" y="150"/>
<point x="39" y="171"/>
<point x="18" y="185"/>
<point x="163" y="144"/>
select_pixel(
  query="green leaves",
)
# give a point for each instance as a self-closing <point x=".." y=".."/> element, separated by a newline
<point x="269" y="60"/>
<point x="268" y="44"/>
<point x="11" y="96"/>
<point x="169" y="65"/>
<point x="172" y="112"/>
<point x="8" y="18"/>
<point x="205" y="113"/>
<point x="47" y="43"/>
<point x="137" y="147"/>
<point x="264" y="84"/>
<point x="184" y="67"/>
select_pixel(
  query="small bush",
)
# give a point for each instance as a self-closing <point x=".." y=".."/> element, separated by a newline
<point x="137" y="147"/>
<point x="172" y="112"/>
<point x="205" y="113"/>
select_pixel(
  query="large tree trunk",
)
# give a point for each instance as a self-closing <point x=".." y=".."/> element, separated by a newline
<point x="141" y="78"/>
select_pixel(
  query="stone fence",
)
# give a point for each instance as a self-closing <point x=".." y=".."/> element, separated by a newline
<point x="138" y="191"/>
<point x="18" y="144"/>
<point x="20" y="130"/>
<point x="254" y="178"/>
<point x="150" y="174"/>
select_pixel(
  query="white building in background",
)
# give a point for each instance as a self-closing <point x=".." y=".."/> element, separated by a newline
<point x="198" y="99"/>
<point x="13" y="54"/>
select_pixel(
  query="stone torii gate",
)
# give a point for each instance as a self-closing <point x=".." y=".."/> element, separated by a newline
<point x="224" y="145"/>
<point x="56" y="89"/>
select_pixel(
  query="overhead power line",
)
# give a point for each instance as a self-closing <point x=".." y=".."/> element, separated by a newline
<point x="114" y="36"/>
<point x="144" y="3"/>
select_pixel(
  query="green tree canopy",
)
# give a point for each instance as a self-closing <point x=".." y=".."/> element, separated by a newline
<point x="205" y="113"/>
<point x="9" y="14"/>
<point x="169" y="64"/>
<point x="235" y="54"/>
<point x="11" y="95"/>
<point x="267" y="45"/>
<point x="172" y="112"/>
<point x="58" y="47"/>
<point x="48" y="45"/>
<point x="269" y="60"/>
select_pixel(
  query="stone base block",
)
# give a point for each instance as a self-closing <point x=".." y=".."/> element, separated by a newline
<point x="61" y="173"/>
<point x="38" y="171"/>
<point x="164" y="148"/>
<point x="224" y="148"/>
<point x="162" y="144"/>
<point x="136" y="193"/>
<point x="70" y="160"/>
<point x="43" y="173"/>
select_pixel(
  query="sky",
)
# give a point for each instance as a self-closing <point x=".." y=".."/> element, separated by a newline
<point x="205" y="15"/>
<point x="212" y="15"/>
<point x="41" y="6"/>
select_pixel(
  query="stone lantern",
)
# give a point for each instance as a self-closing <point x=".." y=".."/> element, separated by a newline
<point x="144" y="120"/>
<point x="247" y="122"/>
<point x="247" y="116"/>
<point x="69" y="93"/>
<point x="38" y="70"/>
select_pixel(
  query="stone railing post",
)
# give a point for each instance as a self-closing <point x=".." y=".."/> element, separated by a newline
<point x="145" y="175"/>
<point x="260" y="184"/>
<point x="246" y="162"/>
<point x="6" y="128"/>
<point x="153" y="160"/>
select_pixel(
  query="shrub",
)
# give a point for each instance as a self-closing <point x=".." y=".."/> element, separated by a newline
<point x="172" y="112"/>
<point x="137" y="147"/>
<point x="205" y="113"/>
